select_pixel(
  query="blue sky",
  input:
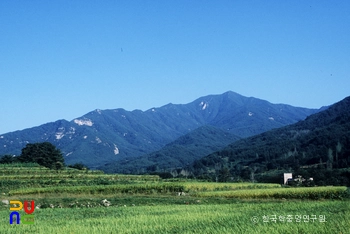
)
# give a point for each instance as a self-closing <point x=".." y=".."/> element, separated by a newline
<point x="62" y="59"/>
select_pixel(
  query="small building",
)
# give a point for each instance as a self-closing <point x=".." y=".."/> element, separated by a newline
<point x="286" y="177"/>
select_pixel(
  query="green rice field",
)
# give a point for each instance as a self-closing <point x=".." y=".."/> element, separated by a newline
<point x="92" y="202"/>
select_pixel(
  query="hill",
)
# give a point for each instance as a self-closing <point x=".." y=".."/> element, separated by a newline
<point x="179" y="153"/>
<point x="321" y="141"/>
<point x="105" y="136"/>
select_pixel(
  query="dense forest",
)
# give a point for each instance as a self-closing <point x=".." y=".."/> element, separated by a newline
<point x="318" y="147"/>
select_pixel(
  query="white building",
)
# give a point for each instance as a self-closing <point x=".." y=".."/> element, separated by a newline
<point x="287" y="176"/>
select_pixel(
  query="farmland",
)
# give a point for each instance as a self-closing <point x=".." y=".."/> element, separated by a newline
<point x="71" y="201"/>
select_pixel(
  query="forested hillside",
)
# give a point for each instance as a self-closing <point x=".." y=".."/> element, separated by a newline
<point x="317" y="147"/>
<point x="179" y="153"/>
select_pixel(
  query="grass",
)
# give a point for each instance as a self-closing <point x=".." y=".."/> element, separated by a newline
<point x="144" y="188"/>
<point x="146" y="204"/>
<point x="209" y="186"/>
<point x="284" y="193"/>
<point x="237" y="217"/>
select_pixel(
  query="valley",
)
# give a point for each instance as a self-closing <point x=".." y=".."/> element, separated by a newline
<point x="209" y="173"/>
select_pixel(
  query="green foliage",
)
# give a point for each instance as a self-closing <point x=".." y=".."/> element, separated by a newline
<point x="79" y="166"/>
<point x="21" y="176"/>
<point x="194" y="187"/>
<point x="20" y="165"/>
<point x="8" y="159"/>
<point x="224" y="174"/>
<point x="163" y="175"/>
<point x="105" y="189"/>
<point x="324" y="177"/>
<point x="45" y="154"/>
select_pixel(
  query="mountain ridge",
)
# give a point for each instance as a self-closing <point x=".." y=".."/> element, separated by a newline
<point x="320" y="141"/>
<point x="105" y="136"/>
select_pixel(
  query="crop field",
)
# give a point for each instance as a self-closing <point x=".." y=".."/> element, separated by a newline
<point x="236" y="217"/>
<point x="283" y="193"/>
<point x="73" y="201"/>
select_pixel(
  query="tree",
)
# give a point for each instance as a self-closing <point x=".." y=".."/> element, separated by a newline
<point x="45" y="154"/>
<point x="7" y="159"/>
<point x="330" y="159"/>
<point x="224" y="174"/>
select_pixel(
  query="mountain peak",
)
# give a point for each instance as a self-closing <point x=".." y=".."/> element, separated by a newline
<point x="94" y="137"/>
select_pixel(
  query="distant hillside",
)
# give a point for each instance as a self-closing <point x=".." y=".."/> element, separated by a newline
<point x="105" y="136"/>
<point x="179" y="153"/>
<point x="321" y="141"/>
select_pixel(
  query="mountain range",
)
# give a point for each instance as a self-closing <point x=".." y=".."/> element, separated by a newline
<point x="106" y="137"/>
